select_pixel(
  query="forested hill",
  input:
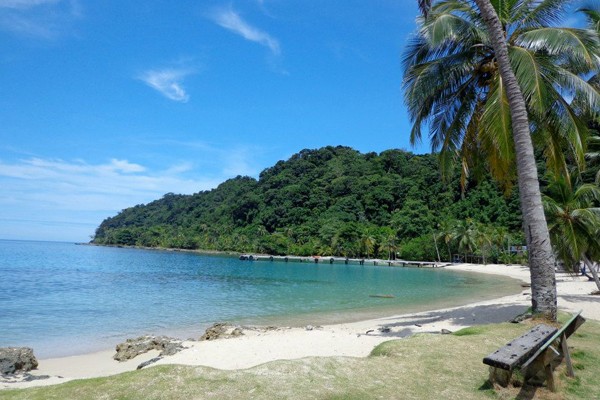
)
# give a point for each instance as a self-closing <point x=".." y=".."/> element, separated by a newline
<point x="333" y="200"/>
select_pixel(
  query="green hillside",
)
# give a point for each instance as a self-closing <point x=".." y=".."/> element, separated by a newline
<point x="333" y="201"/>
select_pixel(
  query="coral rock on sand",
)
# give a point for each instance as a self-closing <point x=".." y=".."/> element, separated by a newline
<point x="13" y="359"/>
<point x="221" y="330"/>
<point x="134" y="347"/>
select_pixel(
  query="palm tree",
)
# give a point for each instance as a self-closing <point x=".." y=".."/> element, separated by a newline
<point x="448" y="104"/>
<point x="483" y="239"/>
<point x="444" y="232"/>
<point x="574" y="223"/>
<point x="367" y="242"/>
<point x="454" y="84"/>
<point x="391" y="243"/>
<point x="592" y="173"/>
<point x="465" y="234"/>
<point x="593" y="155"/>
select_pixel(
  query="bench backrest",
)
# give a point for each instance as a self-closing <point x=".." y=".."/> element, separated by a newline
<point x="567" y="329"/>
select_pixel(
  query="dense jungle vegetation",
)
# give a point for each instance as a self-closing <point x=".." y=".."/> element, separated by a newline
<point x="332" y="201"/>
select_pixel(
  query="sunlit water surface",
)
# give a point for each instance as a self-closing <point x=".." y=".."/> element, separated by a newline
<point x="65" y="299"/>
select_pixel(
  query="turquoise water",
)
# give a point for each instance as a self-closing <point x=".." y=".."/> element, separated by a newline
<point x="63" y="299"/>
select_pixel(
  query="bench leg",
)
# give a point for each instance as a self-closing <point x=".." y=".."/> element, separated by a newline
<point x="550" y="378"/>
<point x="500" y="376"/>
<point x="567" y="356"/>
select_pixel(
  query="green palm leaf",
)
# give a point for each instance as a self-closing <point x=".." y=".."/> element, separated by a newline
<point x="578" y="44"/>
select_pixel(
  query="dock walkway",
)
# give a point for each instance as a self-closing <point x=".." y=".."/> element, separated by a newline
<point x="344" y="260"/>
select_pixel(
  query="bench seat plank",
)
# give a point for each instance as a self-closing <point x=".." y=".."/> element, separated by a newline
<point x="567" y="330"/>
<point x="519" y="350"/>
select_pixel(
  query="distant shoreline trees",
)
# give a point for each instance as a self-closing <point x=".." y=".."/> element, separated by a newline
<point x="329" y="201"/>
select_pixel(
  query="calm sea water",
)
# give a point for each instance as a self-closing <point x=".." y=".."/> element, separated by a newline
<point x="63" y="299"/>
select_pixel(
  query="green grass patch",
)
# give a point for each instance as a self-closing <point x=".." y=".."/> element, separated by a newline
<point x="471" y="330"/>
<point x="424" y="366"/>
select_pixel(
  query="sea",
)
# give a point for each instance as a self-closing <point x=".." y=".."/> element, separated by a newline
<point x="65" y="299"/>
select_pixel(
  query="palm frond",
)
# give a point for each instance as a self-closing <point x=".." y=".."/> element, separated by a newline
<point x="581" y="45"/>
<point x="585" y="96"/>
<point x="592" y="14"/>
<point x="424" y="6"/>
<point x="542" y="13"/>
<point x="497" y="140"/>
<point x="530" y="77"/>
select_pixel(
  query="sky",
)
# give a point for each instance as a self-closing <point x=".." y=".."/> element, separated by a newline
<point x="108" y="104"/>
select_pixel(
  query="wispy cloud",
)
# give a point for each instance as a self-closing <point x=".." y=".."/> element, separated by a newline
<point x="23" y="4"/>
<point x="169" y="82"/>
<point x="114" y="184"/>
<point x="233" y="159"/>
<point x="37" y="192"/>
<point x="231" y="20"/>
<point x="40" y="19"/>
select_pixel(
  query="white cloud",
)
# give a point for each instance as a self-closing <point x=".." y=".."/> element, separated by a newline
<point x="238" y="162"/>
<point x="125" y="166"/>
<point x="168" y="82"/>
<point x="54" y="184"/>
<point x="55" y="199"/>
<point x="41" y="19"/>
<point x="23" y="4"/>
<point x="231" y="20"/>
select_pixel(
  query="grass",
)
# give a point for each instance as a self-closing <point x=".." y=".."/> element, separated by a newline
<point x="424" y="366"/>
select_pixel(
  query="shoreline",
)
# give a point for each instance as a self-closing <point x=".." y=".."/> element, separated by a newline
<point x="352" y="339"/>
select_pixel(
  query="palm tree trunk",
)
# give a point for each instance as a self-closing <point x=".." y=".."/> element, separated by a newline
<point x="590" y="265"/>
<point x="436" y="248"/>
<point x="541" y="258"/>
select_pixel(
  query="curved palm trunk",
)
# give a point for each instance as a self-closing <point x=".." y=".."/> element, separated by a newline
<point x="592" y="268"/>
<point x="541" y="258"/>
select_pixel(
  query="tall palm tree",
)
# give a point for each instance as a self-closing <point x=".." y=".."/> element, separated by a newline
<point x="448" y="104"/>
<point x="574" y="223"/>
<point x="593" y="155"/>
<point x="465" y="233"/>
<point x="444" y="233"/>
<point x="592" y="173"/>
<point x="454" y="84"/>
<point x="367" y="242"/>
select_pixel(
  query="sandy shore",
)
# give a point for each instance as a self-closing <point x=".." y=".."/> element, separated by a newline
<point x="355" y="339"/>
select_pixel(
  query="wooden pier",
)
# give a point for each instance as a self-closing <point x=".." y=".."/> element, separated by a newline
<point x="342" y="260"/>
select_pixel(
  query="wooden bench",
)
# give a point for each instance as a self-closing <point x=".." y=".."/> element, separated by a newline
<point x="535" y="354"/>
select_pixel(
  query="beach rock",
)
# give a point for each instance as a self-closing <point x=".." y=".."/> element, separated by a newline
<point x="237" y="332"/>
<point x="13" y="359"/>
<point x="134" y="347"/>
<point x="385" y="329"/>
<point x="221" y="330"/>
<point x="215" y="332"/>
<point x="521" y="317"/>
<point x="446" y="332"/>
<point x="151" y="361"/>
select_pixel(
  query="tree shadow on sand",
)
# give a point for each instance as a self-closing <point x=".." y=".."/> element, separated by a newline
<point x="407" y="325"/>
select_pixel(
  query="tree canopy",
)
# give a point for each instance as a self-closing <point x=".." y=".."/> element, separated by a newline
<point x="332" y="200"/>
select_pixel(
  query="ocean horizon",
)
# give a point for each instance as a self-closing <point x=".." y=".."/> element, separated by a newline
<point x="64" y="299"/>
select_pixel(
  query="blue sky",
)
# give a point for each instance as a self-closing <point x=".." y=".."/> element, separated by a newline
<point x="108" y="104"/>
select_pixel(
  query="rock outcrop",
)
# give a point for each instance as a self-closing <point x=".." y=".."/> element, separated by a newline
<point x="134" y="347"/>
<point x="16" y="359"/>
<point x="221" y="330"/>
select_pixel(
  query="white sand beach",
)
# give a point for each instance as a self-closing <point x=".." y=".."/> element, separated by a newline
<point x="355" y="339"/>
